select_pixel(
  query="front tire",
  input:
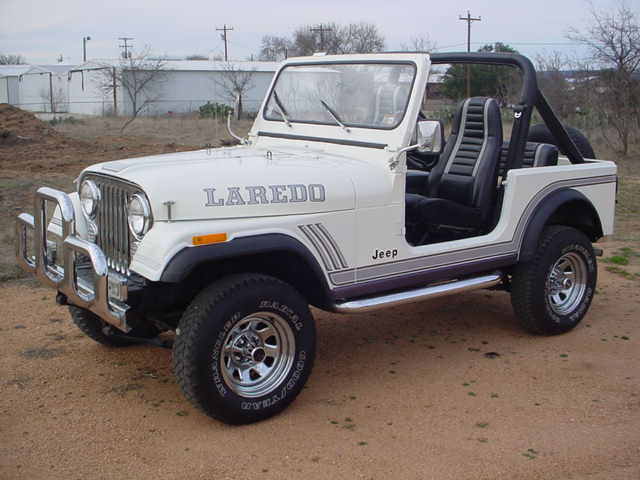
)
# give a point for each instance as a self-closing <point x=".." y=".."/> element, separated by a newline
<point x="552" y="292"/>
<point x="244" y="348"/>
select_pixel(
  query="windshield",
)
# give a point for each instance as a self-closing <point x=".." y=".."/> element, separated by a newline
<point x="369" y="95"/>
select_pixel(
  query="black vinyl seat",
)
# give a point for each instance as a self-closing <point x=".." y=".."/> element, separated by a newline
<point x="535" y="155"/>
<point x="461" y="188"/>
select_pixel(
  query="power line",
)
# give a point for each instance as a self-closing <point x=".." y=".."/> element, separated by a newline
<point x="512" y="43"/>
<point x="223" y="35"/>
<point x="469" y="19"/>
<point x="321" y="29"/>
<point x="126" y="46"/>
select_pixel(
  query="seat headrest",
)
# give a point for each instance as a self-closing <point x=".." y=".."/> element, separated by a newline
<point x="477" y="113"/>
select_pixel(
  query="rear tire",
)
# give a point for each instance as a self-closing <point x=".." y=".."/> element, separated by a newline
<point x="541" y="134"/>
<point x="244" y="348"/>
<point x="100" y="331"/>
<point x="552" y="292"/>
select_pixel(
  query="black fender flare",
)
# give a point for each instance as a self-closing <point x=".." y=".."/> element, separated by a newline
<point x="566" y="200"/>
<point x="189" y="258"/>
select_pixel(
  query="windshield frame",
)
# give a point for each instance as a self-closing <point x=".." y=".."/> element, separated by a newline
<point x="343" y="62"/>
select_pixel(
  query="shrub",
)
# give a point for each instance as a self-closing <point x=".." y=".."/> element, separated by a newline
<point x="214" y="110"/>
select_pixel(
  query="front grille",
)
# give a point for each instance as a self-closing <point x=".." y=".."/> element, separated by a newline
<point x="113" y="235"/>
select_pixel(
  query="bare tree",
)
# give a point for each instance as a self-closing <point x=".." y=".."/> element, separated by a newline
<point x="552" y="78"/>
<point x="235" y="82"/>
<point x="10" y="59"/>
<point x="138" y="78"/>
<point x="56" y="100"/>
<point x="274" y="48"/>
<point x="613" y="39"/>
<point x="337" y="39"/>
<point x="360" y="38"/>
<point x="420" y="44"/>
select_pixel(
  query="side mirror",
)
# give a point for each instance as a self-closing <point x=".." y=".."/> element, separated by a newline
<point x="429" y="136"/>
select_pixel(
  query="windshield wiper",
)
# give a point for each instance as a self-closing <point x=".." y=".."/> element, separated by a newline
<point x="334" y="115"/>
<point x="281" y="109"/>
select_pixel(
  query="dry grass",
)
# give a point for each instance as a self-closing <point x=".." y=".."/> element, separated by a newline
<point x="191" y="131"/>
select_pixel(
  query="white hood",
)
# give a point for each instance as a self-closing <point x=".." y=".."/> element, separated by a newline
<point x="239" y="182"/>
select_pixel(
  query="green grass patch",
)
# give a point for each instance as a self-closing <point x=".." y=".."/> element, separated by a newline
<point x="618" y="260"/>
<point x="622" y="272"/>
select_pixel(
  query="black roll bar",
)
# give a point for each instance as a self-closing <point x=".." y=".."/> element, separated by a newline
<point x="530" y="97"/>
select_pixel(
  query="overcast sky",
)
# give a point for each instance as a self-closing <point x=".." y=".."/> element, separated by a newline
<point x="41" y="30"/>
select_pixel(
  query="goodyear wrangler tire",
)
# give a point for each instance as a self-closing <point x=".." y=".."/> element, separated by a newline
<point x="244" y="348"/>
<point x="552" y="292"/>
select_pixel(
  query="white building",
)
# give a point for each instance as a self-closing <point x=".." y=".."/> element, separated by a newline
<point x="37" y="88"/>
<point x="185" y="86"/>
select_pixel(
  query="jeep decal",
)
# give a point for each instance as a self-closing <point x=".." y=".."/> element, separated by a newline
<point x="260" y="194"/>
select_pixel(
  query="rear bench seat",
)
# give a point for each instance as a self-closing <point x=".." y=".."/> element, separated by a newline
<point x="535" y="155"/>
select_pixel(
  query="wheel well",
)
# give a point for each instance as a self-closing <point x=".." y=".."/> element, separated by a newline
<point x="283" y="265"/>
<point x="579" y="214"/>
<point x="564" y="207"/>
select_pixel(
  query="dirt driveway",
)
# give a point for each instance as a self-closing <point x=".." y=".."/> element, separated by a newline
<point x="405" y="393"/>
<point x="412" y="392"/>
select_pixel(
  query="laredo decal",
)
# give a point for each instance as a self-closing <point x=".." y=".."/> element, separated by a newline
<point x="259" y="194"/>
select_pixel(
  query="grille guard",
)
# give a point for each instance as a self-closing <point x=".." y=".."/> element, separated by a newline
<point x="90" y="295"/>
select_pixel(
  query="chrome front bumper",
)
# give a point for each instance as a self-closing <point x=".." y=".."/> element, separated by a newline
<point x="92" y="294"/>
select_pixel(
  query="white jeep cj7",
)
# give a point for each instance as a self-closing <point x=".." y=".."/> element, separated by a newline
<point x="343" y="196"/>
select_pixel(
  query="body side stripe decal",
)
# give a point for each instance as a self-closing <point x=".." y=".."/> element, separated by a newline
<point x="400" y="267"/>
<point x="318" y="248"/>
<point x="334" y="245"/>
<point x="325" y="246"/>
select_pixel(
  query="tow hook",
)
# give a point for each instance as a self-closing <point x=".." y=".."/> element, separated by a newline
<point x="61" y="299"/>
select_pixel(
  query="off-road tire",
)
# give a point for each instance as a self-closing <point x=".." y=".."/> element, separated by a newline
<point x="541" y="134"/>
<point x="97" y="329"/>
<point x="201" y="358"/>
<point x="532" y="285"/>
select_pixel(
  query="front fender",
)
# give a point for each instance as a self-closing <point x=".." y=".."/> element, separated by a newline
<point x="187" y="259"/>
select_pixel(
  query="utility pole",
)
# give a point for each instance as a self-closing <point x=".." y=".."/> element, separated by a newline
<point x="224" y="31"/>
<point x="115" y="90"/>
<point x="84" y="47"/>
<point x="126" y="46"/>
<point x="468" y="19"/>
<point x="321" y="28"/>
<point x="53" y="108"/>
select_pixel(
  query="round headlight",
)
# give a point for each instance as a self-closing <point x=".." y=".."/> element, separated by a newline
<point x="139" y="216"/>
<point x="89" y="198"/>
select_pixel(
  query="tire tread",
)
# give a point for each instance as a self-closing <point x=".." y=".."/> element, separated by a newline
<point x="184" y="365"/>
<point x="523" y="284"/>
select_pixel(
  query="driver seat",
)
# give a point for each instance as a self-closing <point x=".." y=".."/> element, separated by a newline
<point x="461" y="190"/>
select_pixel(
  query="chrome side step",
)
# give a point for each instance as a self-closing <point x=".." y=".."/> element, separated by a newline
<point x="418" y="294"/>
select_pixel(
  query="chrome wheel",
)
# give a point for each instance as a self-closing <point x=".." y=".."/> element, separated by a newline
<point x="566" y="283"/>
<point x="257" y="354"/>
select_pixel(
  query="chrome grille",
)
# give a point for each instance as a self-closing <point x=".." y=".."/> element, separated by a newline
<point x="113" y="235"/>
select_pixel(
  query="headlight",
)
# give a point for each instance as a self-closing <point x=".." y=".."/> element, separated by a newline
<point x="89" y="198"/>
<point x="139" y="216"/>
